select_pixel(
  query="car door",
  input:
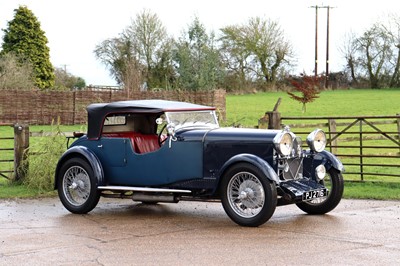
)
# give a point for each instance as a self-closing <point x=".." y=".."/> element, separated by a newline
<point x="175" y="161"/>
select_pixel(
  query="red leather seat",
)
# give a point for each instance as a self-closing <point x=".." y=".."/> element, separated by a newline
<point x="141" y="143"/>
<point x="145" y="143"/>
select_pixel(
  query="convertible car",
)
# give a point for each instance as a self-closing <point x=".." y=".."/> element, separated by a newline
<point x="155" y="151"/>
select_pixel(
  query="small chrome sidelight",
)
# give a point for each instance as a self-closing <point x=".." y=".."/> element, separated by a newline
<point x="320" y="172"/>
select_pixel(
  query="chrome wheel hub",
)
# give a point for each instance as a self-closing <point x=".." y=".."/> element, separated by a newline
<point x="246" y="194"/>
<point x="76" y="185"/>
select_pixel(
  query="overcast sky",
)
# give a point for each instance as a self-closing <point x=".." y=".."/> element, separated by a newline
<point x="75" y="27"/>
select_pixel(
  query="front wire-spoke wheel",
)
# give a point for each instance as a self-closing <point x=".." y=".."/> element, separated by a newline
<point x="77" y="187"/>
<point x="333" y="181"/>
<point x="248" y="197"/>
<point x="246" y="194"/>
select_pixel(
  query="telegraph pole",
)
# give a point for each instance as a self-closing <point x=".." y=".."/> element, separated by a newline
<point x="316" y="42"/>
<point x="327" y="47"/>
<point x="327" y="43"/>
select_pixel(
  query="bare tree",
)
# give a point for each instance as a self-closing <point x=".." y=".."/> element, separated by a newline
<point x="150" y="43"/>
<point x="131" y="77"/>
<point x="141" y="49"/>
<point x="117" y="55"/>
<point x="394" y="33"/>
<point x="15" y="75"/>
<point x="375" y="46"/>
<point x="349" y="51"/>
<point x="65" y="80"/>
<point x="259" y="46"/>
<point x="234" y="54"/>
<point x="375" y="54"/>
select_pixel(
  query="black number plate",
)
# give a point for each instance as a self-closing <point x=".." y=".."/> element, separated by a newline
<point x="314" y="194"/>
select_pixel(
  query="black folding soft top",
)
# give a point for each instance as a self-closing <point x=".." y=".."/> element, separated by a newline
<point x="98" y="111"/>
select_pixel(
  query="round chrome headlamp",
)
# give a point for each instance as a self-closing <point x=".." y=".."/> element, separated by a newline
<point x="283" y="143"/>
<point x="316" y="140"/>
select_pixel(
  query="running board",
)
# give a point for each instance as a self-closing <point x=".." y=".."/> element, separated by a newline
<point x="144" y="189"/>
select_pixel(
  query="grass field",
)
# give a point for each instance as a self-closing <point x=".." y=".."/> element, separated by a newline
<point x="246" y="110"/>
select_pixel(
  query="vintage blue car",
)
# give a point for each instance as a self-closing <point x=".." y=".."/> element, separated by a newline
<point x="165" y="151"/>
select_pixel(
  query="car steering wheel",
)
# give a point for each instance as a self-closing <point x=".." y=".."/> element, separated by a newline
<point x="161" y="136"/>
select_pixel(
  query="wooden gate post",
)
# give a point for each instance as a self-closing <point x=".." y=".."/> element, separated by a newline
<point x="274" y="120"/>
<point x="271" y="120"/>
<point x="332" y="134"/>
<point x="21" y="143"/>
<point x="398" y="128"/>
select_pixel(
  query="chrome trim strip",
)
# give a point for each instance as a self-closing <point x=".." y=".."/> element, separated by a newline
<point x="144" y="189"/>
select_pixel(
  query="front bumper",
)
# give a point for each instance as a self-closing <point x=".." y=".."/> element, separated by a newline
<point x="295" y="190"/>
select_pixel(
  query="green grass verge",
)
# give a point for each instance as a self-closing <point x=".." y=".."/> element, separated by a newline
<point x="44" y="153"/>
<point x="372" y="190"/>
<point x="10" y="190"/>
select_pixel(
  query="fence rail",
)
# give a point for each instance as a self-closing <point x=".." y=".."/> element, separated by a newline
<point x="368" y="146"/>
<point x="13" y="155"/>
<point x="371" y="151"/>
<point x="6" y="153"/>
<point x="35" y="107"/>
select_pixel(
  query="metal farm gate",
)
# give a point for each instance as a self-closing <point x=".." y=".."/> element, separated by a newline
<point x="6" y="150"/>
<point x="368" y="146"/>
<point x="14" y="140"/>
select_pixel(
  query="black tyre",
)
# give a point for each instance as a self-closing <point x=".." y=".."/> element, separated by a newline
<point x="77" y="186"/>
<point x="333" y="181"/>
<point x="248" y="196"/>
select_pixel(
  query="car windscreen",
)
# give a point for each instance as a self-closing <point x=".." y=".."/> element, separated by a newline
<point x="193" y="119"/>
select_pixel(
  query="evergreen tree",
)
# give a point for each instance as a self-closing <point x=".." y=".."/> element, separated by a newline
<point x="27" y="40"/>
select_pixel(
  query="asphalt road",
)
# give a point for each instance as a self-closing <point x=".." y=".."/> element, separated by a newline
<point x="121" y="232"/>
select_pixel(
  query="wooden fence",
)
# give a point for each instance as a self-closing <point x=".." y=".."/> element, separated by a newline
<point x="35" y="107"/>
<point x="6" y="152"/>
<point x="368" y="146"/>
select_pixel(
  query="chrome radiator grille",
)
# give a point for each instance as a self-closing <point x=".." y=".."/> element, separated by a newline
<point x="290" y="169"/>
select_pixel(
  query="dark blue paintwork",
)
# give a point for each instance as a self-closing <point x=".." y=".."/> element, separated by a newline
<point x="86" y="153"/>
<point x="326" y="158"/>
<point x="221" y="145"/>
<point x="122" y="166"/>
<point x="196" y="160"/>
<point x="195" y="155"/>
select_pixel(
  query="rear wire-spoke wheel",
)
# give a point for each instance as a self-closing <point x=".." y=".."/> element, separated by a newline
<point x="333" y="181"/>
<point x="77" y="187"/>
<point x="248" y="197"/>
